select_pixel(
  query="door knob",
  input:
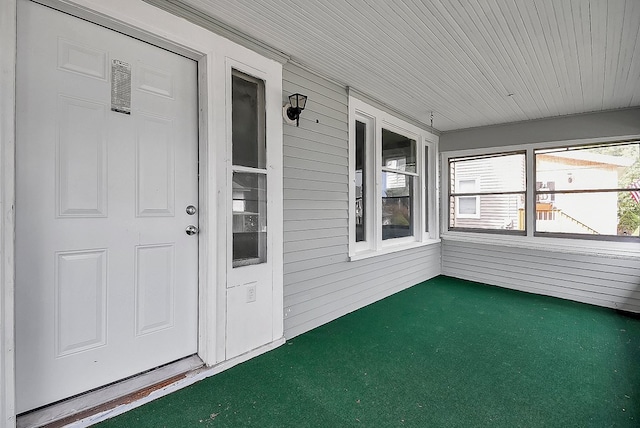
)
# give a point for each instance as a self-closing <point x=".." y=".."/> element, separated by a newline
<point x="191" y="210"/>
<point x="191" y="230"/>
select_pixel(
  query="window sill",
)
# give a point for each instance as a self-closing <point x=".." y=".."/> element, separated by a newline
<point x="609" y="249"/>
<point x="361" y="255"/>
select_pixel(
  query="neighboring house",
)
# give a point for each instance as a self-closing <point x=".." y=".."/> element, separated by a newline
<point x="484" y="180"/>
<point x="485" y="206"/>
<point x="162" y="213"/>
<point x="574" y="213"/>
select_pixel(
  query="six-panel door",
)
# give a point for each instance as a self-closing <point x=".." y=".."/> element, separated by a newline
<point x="106" y="277"/>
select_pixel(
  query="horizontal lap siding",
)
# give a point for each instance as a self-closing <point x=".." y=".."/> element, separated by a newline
<point x="320" y="283"/>
<point x="604" y="281"/>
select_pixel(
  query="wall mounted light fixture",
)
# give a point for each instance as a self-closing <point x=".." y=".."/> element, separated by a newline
<point x="294" y="107"/>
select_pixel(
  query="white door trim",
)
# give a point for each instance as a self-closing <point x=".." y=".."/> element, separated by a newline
<point x="7" y="201"/>
<point x="148" y="23"/>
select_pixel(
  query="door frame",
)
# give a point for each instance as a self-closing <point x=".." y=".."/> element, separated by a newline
<point x="143" y="21"/>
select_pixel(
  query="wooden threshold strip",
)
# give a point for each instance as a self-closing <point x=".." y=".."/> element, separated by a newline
<point x="102" y="399"/>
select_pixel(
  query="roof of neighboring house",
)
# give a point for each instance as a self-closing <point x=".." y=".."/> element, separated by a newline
<point x="585" y="158"/>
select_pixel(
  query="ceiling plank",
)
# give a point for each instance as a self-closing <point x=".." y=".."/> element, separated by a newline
<point x="470" y="62"/>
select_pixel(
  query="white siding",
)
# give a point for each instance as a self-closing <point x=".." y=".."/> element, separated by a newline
<point x="320" y="283"/>
<point x="612" y="282"/>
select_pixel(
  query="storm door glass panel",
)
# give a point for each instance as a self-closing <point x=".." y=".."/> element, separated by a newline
<point x="249" y="174"/>
<point x="361" y="181"/>
<point x="397" y="203"/>
<point x="249" y="218"/>
<point x="248" y="121"/>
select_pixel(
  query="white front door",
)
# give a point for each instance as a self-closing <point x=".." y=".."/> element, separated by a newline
<point x="106" y="277"/>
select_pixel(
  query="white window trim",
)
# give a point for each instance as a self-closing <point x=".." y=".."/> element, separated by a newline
<point x="426" y="229"/>
<point x="477" y="199"/>
<point x="612" y="249"/>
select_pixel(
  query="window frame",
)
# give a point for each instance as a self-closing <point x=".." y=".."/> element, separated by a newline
<point x="369" y="205"/>
<point x="614" y="245"/>
<point x="476" y="197"/>
<point x="263" y="238"/>
<point x="424" y="197"/>
<point x="586" y="190"/>
<point x="416" y="208"/>
<point x="478" y="193"/>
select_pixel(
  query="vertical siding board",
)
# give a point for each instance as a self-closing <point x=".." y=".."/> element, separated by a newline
<point x="606" y="281"/>
<point x="320" y="283"/>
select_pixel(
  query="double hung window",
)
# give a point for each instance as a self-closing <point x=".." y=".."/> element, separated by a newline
<point x="392" y="182"/>
<point x="399" y="179"/>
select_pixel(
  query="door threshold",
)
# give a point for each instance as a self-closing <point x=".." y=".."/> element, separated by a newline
<point x="98" y="400"/>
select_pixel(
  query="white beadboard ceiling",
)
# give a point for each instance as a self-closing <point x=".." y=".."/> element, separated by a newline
<point x="470" y="62"/>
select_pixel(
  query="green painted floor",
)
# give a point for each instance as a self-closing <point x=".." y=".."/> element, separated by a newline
<point x="445" y="353"/>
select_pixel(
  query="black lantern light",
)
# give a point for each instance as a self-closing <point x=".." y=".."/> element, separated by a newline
<point x="297" y="103"/>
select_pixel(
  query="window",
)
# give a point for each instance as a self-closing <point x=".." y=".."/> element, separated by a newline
<point x="467" y="206"/>
<point x="487" y="193"/>
<point x="425" y="217"/>
<point x="249" y="175"/>
<point x="398" y="183"/>
<point x="361" y="182"/>
<point x="588" y="191"/>
<point x="392" y="188"/>
<point x="583" y="191"/>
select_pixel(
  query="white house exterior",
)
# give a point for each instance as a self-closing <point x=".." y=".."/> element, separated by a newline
<point x="597" y="214"/>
